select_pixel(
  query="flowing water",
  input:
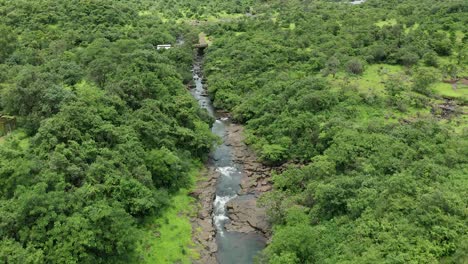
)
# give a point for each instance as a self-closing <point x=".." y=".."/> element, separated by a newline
<point x="233" y="247"/>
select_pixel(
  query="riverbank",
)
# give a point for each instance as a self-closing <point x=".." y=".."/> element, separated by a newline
<point x="244" y="215"/>
<point x="203" y="231"/>
<point x="229" y="227"/>
<point x="170" y="232"/>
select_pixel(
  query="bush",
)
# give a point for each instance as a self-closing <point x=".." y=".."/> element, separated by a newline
<point x="273" y="153"/>
<point x="430" y="59"/>
<point x="354" y="66"/>
<point x="407" y="58"/>
<point x="423" y="78"/>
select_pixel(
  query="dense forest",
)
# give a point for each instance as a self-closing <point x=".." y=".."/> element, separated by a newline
<point x="366" y="103"/>
<point x="107" y="132"/>
<point x="350" y="94"/>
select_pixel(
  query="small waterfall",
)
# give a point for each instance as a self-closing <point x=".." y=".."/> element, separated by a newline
<point x="233" y="247"/>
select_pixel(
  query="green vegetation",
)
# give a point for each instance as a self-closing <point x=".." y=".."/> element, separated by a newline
<point x="358" y="97"/>
<point x="449" y="91"/>
<point x="355" y="95"/>
<point x="109" y="136"/>
<point x="167" y="238"/>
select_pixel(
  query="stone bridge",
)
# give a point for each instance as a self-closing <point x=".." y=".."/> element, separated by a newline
<point x="202" y="44"/>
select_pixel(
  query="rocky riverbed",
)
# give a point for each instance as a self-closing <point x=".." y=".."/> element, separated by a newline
<point x="244" y="215"/>
<point x="203" y="230"/>
<point x="229" y="226"/>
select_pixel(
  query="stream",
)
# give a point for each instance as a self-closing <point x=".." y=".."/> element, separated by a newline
<point x="233" y="247"/>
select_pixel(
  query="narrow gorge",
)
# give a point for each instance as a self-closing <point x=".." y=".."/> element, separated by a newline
<point x="229" y="227"/>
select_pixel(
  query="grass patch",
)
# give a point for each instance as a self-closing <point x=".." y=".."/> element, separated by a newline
<point x="375" y="74"/>
<point x="390" y="22"/>
<point x="459" y="36"/>
<point x="413" y="27"/>
<point x="372" y="78"/>
<point x="168" y="238"/>
<point x="446" y="90"/>
<point x="145" y="13"/>
<point x="223" y="16"/>
<point x="18" y="137"/>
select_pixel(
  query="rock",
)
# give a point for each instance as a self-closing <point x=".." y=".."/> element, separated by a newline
<point x="212" y="247"/>
<point x="264" y="188"/>
<point x="246" y="216"/>
<point x="195" y="193"/>
<point x="206" y="259"/>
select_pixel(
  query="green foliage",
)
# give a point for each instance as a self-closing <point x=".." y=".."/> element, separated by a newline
<point x="168" y="238"/>
<point x="378" y="178"/>
<point x="167" y="169"/>
<point x="332" y="66"/>
<point x="112" y="133"/>
<point x="423" y="78"/>
<point x="7" y="43"/>
<point x="273" y="153"/>
<point x="354" y="66"/>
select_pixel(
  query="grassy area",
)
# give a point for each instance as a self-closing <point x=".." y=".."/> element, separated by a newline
<point x="389" y="22"/>
<point x="18" y="135"/>
<point x="446" y="90"/>
<point x="375" y="74"/>
<point x="372" y="78"/>
<point x="168" y="238"/>
<point x="413" y="27"/>
<point x="223" y="16"/>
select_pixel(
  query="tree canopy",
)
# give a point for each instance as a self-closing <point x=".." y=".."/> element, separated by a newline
<point x="366" y="102"/>
<point x="109" y="130"/>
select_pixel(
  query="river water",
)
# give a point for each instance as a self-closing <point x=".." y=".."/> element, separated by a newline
<point x="233" y="247"/>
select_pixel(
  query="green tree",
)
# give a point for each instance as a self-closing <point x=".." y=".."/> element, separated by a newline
<point x="332" y="66"/>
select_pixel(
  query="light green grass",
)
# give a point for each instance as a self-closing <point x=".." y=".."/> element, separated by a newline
<point x="168" y="238"/>
<point x="459" y="36"/>
<point x="274" y="17"/>
<point x="18" y="135"/>
<point x="446" y="90"/>
<point x="145" y="13"/>
<point x="413" y="27"/>
<point x="223" y="16"/>
<point x="372" y="78"/>
<point x="53" y="27"/>
<point x="292" y="26"/>
<point x="390" y="22"/>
